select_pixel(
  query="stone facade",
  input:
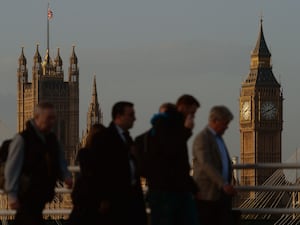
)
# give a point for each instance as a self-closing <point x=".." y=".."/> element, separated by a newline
<point x="260" y="115"/>
<point x="48" y="84"/>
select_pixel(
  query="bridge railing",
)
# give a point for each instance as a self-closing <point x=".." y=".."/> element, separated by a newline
<point x="260" y="188"/>
<point x="268" y="188"/>
<point x="4" y="212"/>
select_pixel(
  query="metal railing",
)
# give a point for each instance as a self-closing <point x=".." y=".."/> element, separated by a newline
<point x="268" y="188"/>
<point x="61" y="211"/>
<point x="260" y="188"/>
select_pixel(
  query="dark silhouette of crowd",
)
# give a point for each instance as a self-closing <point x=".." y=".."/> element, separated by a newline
<point x="108" y="188"/>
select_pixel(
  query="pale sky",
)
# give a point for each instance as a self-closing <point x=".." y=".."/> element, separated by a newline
<point x="149" y="52"/>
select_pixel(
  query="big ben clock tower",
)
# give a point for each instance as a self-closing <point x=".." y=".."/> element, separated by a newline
<point x="260" y="115"/>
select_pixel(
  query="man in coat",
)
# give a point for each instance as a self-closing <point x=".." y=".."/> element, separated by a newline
<point x="213" y="170"/>
<point x="120" y="195"/>
<point x="165" y="163"/>
<point x="34" y="165"/>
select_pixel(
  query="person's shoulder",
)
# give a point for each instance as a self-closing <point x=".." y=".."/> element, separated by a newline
<point x="142" y="135"/>
<point x="202" y="133"/>
<point x="105" y="136"/>
<point x="143" y="138"/>
<point x="110" y="129"/>
<point x="18" y="138"/>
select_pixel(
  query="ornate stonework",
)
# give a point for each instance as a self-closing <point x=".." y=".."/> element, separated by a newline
<point x="48" y="84"/>
<point x="94" y="114"/>
<point x="260" y="115"/>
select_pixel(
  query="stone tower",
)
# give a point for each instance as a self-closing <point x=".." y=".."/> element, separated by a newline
<point x="48" y="84"/>
<point x="260" y="115"/>
<point x="94" y="114"/>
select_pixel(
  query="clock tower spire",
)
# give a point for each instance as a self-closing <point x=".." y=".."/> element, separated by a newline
<point x="260" y="114"/>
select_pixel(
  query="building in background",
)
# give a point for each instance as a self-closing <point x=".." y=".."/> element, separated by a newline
<point x="48" y="84"/>
<point x="94" y="114"/>
<point x="260" y="115"/>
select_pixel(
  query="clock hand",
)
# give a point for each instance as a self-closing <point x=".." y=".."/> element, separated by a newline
<point x="270" y="109"/>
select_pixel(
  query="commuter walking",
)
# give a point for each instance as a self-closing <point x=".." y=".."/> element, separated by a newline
<point x="118" y="182"/>
<point x="85" y="207"/>
<point x="34" y="165"/>
<point x="166" y="164"/>
<point x="213" y="170"/>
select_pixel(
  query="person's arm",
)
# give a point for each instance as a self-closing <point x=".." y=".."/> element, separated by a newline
<point x="12" y="171"/>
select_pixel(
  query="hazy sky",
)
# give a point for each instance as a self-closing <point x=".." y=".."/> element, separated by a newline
<point x="149" y="52"/>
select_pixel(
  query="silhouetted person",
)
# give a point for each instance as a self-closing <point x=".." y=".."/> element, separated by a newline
<point x="213" y="170"/>
<point x="166" y="168"/>
<point x="119" y="189"/>
<point x="85" y="207"/>
<point x="34" y="165"/>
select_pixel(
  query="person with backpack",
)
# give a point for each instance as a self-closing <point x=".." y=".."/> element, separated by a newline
<point x="163" y="156"/>
<point x="141" y="152"/>
<point x="34" y="164"/>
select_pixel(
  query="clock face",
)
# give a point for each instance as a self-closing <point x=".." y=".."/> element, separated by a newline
<point x="268" y="110"/>
<point x="246" y="110"/>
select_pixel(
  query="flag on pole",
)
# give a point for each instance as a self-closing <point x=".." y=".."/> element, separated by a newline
<point x="50" y="14"/>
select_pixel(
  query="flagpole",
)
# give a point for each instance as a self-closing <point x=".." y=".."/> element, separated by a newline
<point x="48" y="33"/>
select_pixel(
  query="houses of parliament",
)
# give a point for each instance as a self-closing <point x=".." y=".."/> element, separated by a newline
<point x="48" y="84"/>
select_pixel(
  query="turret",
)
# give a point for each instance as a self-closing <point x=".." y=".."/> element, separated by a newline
<point x="37" y="62"/>
<point x="22" y="58"/>
<point x="22" y="70"/>
<point x="37" y="57"/>
<point x="73" y="58"/>
<point x="58" y="61"/>
<point x="58" y="65"/>
<point x="22" y="75"/>
<point x="73" y="69"/>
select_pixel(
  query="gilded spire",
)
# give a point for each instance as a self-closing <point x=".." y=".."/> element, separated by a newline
<point x="47" y="64"/>
<point x="261" y="48"/>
